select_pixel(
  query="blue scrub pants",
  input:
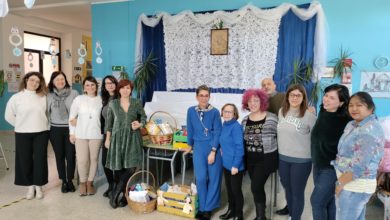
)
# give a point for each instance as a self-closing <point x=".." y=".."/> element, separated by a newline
<point x="208" y="177"/>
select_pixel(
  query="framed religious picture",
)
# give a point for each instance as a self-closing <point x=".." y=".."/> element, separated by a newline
<point x="219" y="42"/>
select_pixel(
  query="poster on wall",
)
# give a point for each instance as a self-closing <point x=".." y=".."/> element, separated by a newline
<point x="376" y="83"/>
<point x="13" y="76"/>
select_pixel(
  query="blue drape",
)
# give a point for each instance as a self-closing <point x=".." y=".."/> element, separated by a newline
<point x="296" y="41"/>
<point x="153" y="42"/>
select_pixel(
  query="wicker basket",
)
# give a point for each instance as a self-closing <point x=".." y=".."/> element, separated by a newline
<point x="163" y="139"/>
<point x="141" y="207"/>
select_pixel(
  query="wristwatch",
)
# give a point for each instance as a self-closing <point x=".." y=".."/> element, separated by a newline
<point x="214" y="149"/>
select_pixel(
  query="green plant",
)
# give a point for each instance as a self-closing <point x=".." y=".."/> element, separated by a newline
<point x="2" y="83"/>
<point x="123" y="75"/>
<point x="144" y="73"/>
<point x="303" y="74"/>
<point x="340" y="63"/>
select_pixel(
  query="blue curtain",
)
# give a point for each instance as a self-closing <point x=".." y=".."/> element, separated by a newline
<point x="296" y="41"/>
<point x="153" y="42"/>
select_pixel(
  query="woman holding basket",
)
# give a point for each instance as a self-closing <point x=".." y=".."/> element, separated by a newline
<point x="125" y="117"/>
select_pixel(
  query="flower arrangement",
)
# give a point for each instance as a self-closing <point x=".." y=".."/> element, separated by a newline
<point x="218" y="24"/>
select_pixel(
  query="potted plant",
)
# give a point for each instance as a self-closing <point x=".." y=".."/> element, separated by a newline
<point x="145" y="72"/>
<point x="342" y="64"/>
<point x="303" y="74"/>
<point x="2" y="83"/>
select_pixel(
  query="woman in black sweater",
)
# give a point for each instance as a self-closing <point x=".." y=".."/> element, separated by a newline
<point x="330" y="124"/>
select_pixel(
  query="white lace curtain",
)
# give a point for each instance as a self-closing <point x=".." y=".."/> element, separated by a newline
<point x="253" y="35"/>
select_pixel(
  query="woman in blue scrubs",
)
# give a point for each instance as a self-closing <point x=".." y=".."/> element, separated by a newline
<point x="204" y="128"/>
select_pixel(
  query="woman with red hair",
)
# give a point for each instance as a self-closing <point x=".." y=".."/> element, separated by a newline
<point x="125" y="117"/>
<point x="260" y="129"/>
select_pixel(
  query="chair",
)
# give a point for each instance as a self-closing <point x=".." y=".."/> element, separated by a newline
<point x="2" y="156"/>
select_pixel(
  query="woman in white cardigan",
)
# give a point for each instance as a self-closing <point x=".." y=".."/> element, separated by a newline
<point x="86" y="134"/>
<point x="26" y="111"/>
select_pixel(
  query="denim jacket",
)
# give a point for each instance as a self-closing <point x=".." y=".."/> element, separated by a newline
<point x="360" y="148"/>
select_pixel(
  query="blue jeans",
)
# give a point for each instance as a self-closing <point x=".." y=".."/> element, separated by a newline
<point x="294" y="178"/>
<point x="351" y="205"/>
<point x="323" y="197"/>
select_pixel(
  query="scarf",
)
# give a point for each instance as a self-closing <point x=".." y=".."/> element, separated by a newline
<point x="59" y="102"/>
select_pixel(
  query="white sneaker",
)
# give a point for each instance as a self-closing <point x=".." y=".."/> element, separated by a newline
<point x="289" y="218"/>
<point x="30" y="192"/>
<point x="39" y="193"/>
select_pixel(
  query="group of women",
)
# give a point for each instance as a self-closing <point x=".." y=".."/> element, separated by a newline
<point x="344" y="145"/>
<point x="76" y="125"/>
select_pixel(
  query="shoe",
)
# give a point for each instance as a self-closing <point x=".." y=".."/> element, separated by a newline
<point x="206" y="216"/>
<point x="260" y="211"/>
<point x="116" y="191"/>
<point x="283" y="211"/>
<point x="83" y="189"/>
<point x="240" y="217"/>
<point x="30" y="192"/>
<point x="90" y="189"/>
<point x="64" y="187"/>
<point x="227" y="215"/>
<point x="70" y="186"/>
<point x="122" y="202"/>
<point x="108" y="191"/>
<point x="199" y="215"/>
<point x="38" y="191"/>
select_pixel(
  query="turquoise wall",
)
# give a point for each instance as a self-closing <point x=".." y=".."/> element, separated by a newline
<point x="363" y="29"/>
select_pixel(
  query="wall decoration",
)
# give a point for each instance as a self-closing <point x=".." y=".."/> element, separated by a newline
<point x="16" y="40"/>
<point x="219" y="42"/>
<point x="376" y="83"/>
<point x="98" y="51"/>
<point x="327" y="72"/>
<point x="381" y="62"/>
<point x="82" y="53"/>
<point x="30" y="59"/>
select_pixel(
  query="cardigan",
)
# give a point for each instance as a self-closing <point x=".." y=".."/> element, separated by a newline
<point x="54" y="117"/>
<point x="231" y="141"/>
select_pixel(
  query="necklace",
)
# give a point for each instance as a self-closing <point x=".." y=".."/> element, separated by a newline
<point x="200" y="117"/>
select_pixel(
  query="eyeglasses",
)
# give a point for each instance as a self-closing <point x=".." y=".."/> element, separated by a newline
<point x="292" y="95"/>
<point x="227" y="112"/>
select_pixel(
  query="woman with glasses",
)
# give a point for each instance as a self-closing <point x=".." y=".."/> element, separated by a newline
<point x="204" y="128"/>
<point x="260" y="142"/>
<point x="294" y="129"/>
<point x="232" y="151"/>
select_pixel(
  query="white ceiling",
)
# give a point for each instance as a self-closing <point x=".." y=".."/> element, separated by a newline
<point x="74" y="13"/>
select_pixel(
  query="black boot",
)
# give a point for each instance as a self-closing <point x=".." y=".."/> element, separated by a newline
<point x="227" y="215"/>
<point x="239" y="217"/>
<point x="108" y="191"/>
<point x="64" y="187"/>
<point x="260" y="211"/>
<point x="116" y="190"/>
<point x="199" y="215"/>
<point x="206" y="215"/>
<point x="283" y="211"/>
<point x="70" y="186"/>
<point x="123" y="201"/>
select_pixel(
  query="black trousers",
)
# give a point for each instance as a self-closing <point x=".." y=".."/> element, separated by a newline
<point x="31" y="158"/>
<point x="109" y="174"/>
<point x="64" y="151"/>
<point x="233" y="187"/>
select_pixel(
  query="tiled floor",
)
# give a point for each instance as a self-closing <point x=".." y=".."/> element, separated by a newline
<point x="56" y="205"/>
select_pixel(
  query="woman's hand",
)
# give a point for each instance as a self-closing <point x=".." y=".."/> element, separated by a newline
<point x="107" y="143"/>
<point x="73" y="122"/>
<point x="342" y="180"/>
<point x="186" y="150"/>
<point x="234" y="171"/>
<point x="339" y="188"/>
<point x="135" y="125"/>
<point x="72" y="138"/>
<point x="211" y="157"/>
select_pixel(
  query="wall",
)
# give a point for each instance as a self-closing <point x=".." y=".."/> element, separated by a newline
<point x="364" y="30"/>
<point x="70" y="39"/>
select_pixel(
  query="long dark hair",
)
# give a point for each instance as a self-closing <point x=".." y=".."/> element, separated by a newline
<point x="104" y="93"/>
<point x="53" y="76"/>
<point x="343" y="94"/>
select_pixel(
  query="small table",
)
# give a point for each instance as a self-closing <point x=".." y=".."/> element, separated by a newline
<point x="163" y="153"/>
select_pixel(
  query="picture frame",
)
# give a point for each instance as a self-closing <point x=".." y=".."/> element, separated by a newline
<point x="219" y="41"/>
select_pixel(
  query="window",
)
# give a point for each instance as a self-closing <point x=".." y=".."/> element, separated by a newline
<point x="37" y="55"/>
